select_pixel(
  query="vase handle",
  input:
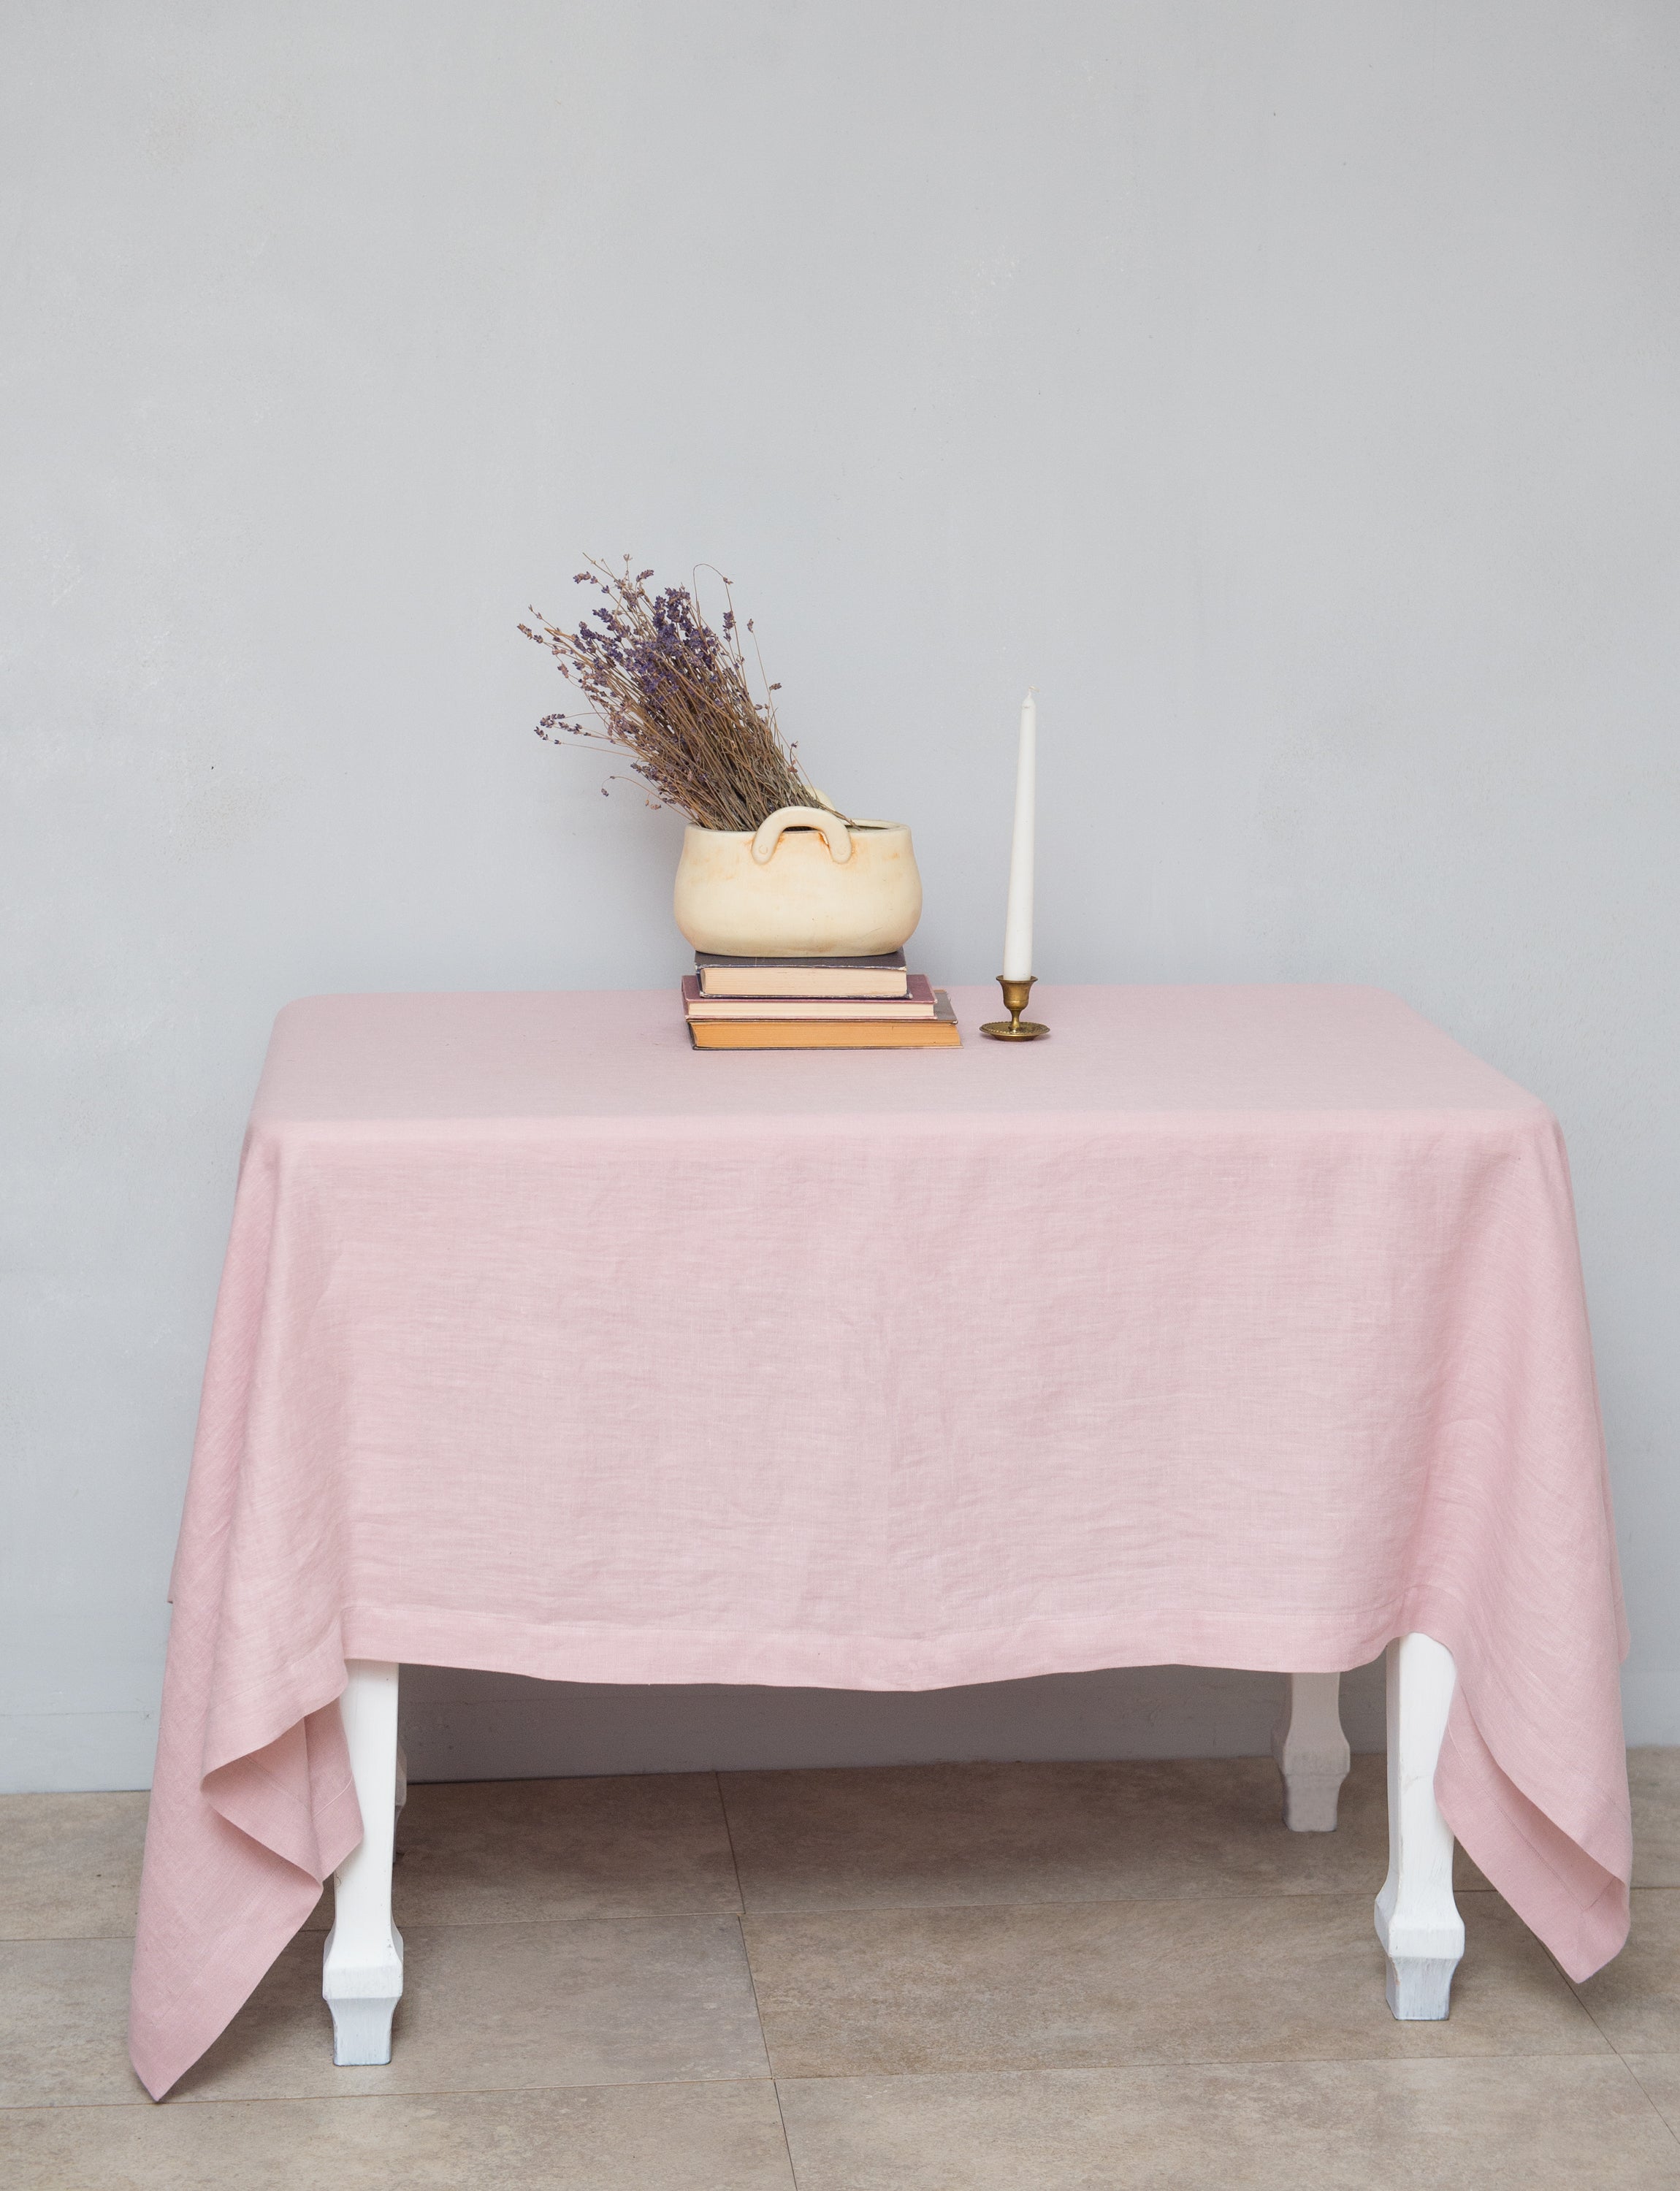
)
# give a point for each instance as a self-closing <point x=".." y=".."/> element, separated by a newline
<point x="835" y="835"/>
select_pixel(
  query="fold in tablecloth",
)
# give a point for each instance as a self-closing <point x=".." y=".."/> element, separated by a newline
<point x="1229" y="1327"/>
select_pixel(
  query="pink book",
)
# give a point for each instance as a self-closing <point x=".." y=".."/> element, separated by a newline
<point x="917" y="1003"/>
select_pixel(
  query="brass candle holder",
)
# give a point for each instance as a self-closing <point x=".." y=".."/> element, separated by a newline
<point x="1014" y="1028"/>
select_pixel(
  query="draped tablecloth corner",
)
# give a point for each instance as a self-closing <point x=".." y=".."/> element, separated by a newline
<point x="1230" y="1327"/>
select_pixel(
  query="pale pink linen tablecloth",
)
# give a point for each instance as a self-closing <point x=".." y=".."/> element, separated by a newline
<point x="1229" y="1327"/>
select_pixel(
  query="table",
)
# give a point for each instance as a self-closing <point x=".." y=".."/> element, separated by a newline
<point x="1229" y="1327"/>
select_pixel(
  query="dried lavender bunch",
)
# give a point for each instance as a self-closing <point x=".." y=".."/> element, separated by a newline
<point x="672" y="693"/>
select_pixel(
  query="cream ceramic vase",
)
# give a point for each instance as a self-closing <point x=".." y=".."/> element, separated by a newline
<point x="806" y="884"/>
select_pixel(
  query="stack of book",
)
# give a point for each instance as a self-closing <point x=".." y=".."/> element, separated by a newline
<point x="815" y="1003"/>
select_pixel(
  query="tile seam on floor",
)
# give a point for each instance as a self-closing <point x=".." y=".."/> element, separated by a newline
<point x="1359" y="1896"/>
<point x="729" y="1837"/>
<point x="140" y="2100"/>
<point x="413" y="1925"/>
<point x="491" y="1924"/>
<point x="40" y="1939"/>
<point x="1586" y="2006"/>
<point x="1198" y="2062"/>
<point x="752" y="1977"/>
<point x="764" y="2041"/>
<point x="1627" y="2062"/>
<point x="810" y="2077"/>
<point x="824" y="1909"/>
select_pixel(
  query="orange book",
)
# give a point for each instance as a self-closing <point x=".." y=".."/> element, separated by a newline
<point x="940" y="1032"/>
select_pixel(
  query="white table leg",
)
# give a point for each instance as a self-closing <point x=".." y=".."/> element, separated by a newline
<point x="1311" y="1752"/>
<point x="362" y="1978"/>
<point x="1417" y="1920"/>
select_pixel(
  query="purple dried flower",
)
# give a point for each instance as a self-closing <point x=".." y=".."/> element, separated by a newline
<point x="672" y="693"/>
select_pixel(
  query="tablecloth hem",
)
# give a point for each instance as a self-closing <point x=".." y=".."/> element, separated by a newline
<point x="664" y="1656"/>
<point x="1562" y="1893"/>
<point x="290" y="1806"/>
<point x="163" y="2047"/>
<point x="1592" y="1823"/>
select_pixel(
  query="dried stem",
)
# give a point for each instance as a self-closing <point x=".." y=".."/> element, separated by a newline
<point x="670" y="692"/>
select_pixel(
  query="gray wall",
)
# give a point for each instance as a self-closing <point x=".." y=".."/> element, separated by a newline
<point x="1289" y="390"/>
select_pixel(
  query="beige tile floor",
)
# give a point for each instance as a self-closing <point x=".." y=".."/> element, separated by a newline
<point x="983" y="1977"/>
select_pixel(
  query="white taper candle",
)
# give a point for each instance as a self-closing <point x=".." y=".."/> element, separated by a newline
<point x="1018" y="921"/>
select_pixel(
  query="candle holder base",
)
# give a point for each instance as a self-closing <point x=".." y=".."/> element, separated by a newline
<point x="1014" y="1028"/>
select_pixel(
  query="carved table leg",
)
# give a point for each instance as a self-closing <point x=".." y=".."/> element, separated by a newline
<point x="1417" y="1920"/>
<point x="362" y="1978"/>
<point x="1311" y="1752"/>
